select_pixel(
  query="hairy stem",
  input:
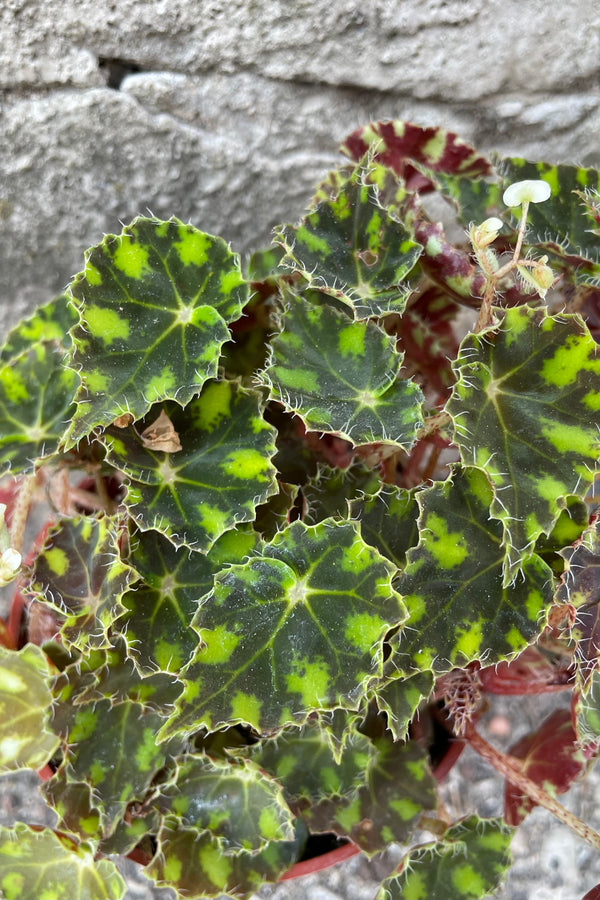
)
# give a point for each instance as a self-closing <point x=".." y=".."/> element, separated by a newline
<point x="21" y="511"/>
<point x="512" y="770"/>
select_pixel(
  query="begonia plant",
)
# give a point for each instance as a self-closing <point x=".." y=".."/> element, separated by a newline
<point x="275" y="532"/>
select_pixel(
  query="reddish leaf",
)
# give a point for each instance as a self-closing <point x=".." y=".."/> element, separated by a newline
<point x="594" y="894"/>
<point x="426" y="336"/>
<point x="550" y="757"/>
<point x="399" y="144"/>
<point x="531" y="672"/>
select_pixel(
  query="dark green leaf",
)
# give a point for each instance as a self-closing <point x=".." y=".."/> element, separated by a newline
<point x="388" y="521"/>
<point x="400" y="699"/>
<point x="330" y="492"/>
<point x="565" y="225"/>
<point x="351" y="247"/>
<point x="111" y="674"/>
<point x="36" y="399"/>
<point x="80" y="575"/>
<point x="342" y="377"/>
<point x="237" y="803"/>
<point x="155" y="302"/>
<point x="218" y="478"/>
<point x="49" y="323"/>
<point x="113" y="749"/>
<point x="195" y="865"/>
<point x="469" y="864"/>
<point x="297" y="628"/>
<point x="302" y="760"/>
<point x="526" y="409"/>
<point x="159" y="611"/>
<point x="459" y="609"/>
<point x="398" y="789"/>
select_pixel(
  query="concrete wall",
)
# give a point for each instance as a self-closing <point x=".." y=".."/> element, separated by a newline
<point x="226" y="113"/>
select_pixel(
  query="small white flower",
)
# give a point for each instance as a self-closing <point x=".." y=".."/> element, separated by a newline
<point x="530" y="191"/>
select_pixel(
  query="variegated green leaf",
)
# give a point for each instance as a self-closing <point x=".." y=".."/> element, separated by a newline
<point x="218" y="478"/>
<point x="470" y="863"/>
<point x="113" y="749"/>
<point x="341" y="376"/>
<point x="237" y="803"/>
<point x="387" y="808"/>
<point x="43" y="865"/>
<point x="526" y="409"/>
<point x="72" y="802"/>
<point x="50" y="322"/>
<point x="459" y="609"/>
<point x="155" y="302"/>
<point x="159" y="610"/>
<point x="581" y="589"/>
<point x="330" y="492"/>
<point x="587" y="711"/>
<point x="36" y="399"/>
<point x="296" y="628"/>
<point x="388" y="521"/>
<point x="400" y="698"/>
<point x="111" y="674"/>
<point x="194" y="864"/>
<point x="302" y="760"/>
<point x="564" y="225"/>
<point x="80" y="576"/>
<point x="25" y="703"/>
<point x="352" y="248"/>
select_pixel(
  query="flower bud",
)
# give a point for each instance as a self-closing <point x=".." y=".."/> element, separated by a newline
<point x="541" y="277"/>
<point x="486" y="233"/>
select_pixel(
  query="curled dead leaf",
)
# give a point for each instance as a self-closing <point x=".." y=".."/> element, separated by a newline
<point x="161" y="435"/>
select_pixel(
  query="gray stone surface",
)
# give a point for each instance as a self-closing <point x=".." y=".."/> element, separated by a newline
<point x="232" y="111"/>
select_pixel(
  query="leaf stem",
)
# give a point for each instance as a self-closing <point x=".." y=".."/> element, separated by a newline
<point x="511" y="769"/>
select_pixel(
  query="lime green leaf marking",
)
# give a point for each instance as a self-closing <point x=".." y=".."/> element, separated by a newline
<point x="521" y="394"/>
<point x="361" y="253"/>
<point x="356" y="395"/>
<point x="288" y="609"/>
<point x="106" y="324"/>
<point x="210" y="485"/>
<point x="155" y="320"/>
<point x="462" y="611"/>
<point x="44" y="865"/>
<point x="468" y="864"/>
<point x="25" y="703"/>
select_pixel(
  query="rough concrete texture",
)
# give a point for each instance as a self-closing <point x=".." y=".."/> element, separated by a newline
<point x="226" y="114"/>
